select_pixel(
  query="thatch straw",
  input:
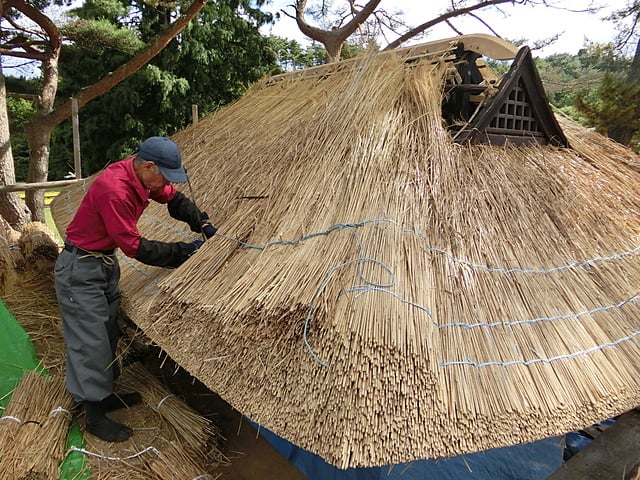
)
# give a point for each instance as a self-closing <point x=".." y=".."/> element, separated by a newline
<point x="11" y="235"/>
<point x="16" y="412"/>
<point x="122" y="471"/>
<point x="377" y="294"/>
<point x="173" y="462"/>
<point x="37" y="240"/>
<point x="110" y="465"/>
<point x="178" y="463"/>
<point x="166" y="425"/>
<point x="633" y="473"/>
<point x="34" y="437"/>
<point x="34" y="305"/>
<point x="190" y="427"/>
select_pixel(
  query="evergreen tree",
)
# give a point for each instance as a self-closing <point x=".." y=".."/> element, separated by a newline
<point x="211" y="63"/>
<point x="34" y="36"/>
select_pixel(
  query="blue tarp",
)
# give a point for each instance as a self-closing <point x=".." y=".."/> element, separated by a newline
<point x="532" y="461"/>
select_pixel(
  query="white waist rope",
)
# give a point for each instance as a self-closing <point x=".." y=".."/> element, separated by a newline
<point x="105" y="258"/>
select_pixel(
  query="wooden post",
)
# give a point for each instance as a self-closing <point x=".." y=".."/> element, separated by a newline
<point x="76" y="138"/>
<point x="194" y="114"/>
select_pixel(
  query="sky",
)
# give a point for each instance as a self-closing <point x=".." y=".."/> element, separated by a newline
<point x="510" y="22"/>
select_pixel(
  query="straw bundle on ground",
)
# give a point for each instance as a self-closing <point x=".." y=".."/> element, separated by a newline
<point x="8" y="232"/>
<point x="378" y="294"/>
<point x="7" y="266"/>
<point x="108" y="465"/>
<point x="39" y="415"/>
<point x="178" y="463"/>
<point x="165" y="424"/>
<point x="16" y="411"/>
<point x="129" y="460"/>
<point x="174" y="461"/>
<point x="190" y="427"/>
<point x="33" y="303"/>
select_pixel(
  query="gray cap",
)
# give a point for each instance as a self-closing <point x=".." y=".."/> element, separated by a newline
<point x="166" y="155"/>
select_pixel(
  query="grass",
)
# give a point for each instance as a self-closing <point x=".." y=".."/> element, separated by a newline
<point x="51" y="224"/>
<point x="49" y="195"/>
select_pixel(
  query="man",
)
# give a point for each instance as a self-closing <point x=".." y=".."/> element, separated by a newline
<point x="87" y="270"/>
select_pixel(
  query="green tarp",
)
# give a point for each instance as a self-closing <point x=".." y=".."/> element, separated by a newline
<point x="16" y="356"/>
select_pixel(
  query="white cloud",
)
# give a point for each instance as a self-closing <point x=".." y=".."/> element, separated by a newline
<point x="509" y="21"/>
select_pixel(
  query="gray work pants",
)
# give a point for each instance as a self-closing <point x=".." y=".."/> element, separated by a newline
<point x="89" y="297"/>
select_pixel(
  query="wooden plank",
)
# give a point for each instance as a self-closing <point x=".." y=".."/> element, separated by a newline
<point x="18" y="187"/>
<point x="613" y="454"/>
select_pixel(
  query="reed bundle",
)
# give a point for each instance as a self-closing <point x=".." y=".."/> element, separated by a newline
<point x="173" y="462"/>
<point x="37" y="240"/>
<point x="124" y="471"/>
<point x="190" y="427"/>
<point x="34" y="442"/>
<point x="378" y="294"/>
<point x="178" y="463"/>
<point x="14" y="414"/>
<point x="106" y="466"/>
<point x="34" y="305"/>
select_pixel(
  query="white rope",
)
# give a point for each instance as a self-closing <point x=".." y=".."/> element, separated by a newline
<point x="130" y="457"/>
<point x="115" y="459"/>
<point x="59" y="410"/>
<point x="108" y="259"/>
<point x="157" y="409"/>
<point x="9" y="417"/>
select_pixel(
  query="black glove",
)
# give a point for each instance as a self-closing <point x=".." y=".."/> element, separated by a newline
<point x="183" y="209"/>
<point x="209" y="230"/>
<point x="165" y="254"/>
<point x="193" y="246"/>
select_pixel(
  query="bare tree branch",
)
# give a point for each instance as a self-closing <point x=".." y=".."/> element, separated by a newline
<point x="333" y="39"/>
<point x="456" y="12"/>
<point x="63" y="111"/>
<point x="29" y="55"/>
<point x="489" y="27"/>
<point x="55" y="39"/>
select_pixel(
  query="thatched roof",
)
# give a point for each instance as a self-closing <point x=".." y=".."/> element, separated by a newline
<point x="378" y="293"/>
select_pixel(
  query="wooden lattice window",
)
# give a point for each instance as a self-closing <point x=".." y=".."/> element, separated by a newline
<point x="516" y="115"/>
<point x="518" y="112"/>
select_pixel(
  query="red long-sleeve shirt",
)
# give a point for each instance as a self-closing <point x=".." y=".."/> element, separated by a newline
<point x="108" y="215"/>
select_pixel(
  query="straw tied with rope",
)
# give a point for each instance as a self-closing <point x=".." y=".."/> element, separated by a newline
<point x="35" y="424"/>
<point x="187" y="449"/>
<point x="34" y="427"/>
<point x="387" y="287"/>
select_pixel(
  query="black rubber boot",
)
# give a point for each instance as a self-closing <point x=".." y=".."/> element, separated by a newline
<point x="103" y="427"/>
<point x="121" y="400"/>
